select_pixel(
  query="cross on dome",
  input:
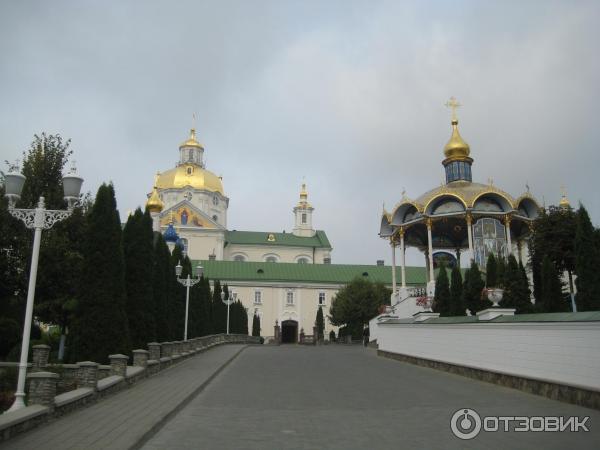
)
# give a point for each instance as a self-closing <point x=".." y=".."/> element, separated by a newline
<point x="453" y="104"/>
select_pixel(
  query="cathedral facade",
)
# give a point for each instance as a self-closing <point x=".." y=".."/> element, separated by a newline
<point x="282" y="277"/>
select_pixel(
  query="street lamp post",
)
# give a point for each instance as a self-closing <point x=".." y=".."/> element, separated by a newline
<point x="187" y="282"/>
<point x="39" y="219"/>
<point x="228" y="302"/>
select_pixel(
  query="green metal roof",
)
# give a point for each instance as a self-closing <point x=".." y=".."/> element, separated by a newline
<point x="310" y="273"/>
<point x="588" y="316"/>
<point x="319" y="240"/>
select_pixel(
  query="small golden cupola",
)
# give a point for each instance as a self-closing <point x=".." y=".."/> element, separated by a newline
<point x="192" y="142"/>
<point x="154" y="203"/>
<point x="564" y="201"/>
<point x="457" y="162"/>
<point x="303" y="203"/>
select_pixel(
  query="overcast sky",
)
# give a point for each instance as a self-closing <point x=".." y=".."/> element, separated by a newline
<point x="348" y="94"/>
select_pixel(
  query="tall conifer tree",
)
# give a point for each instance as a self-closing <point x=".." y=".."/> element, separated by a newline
<point x="587" y="264"/>
<point x="139" y="268"/>
<point x="551" y="292"/>
<point x="320" y="322"/>
<point x="256" y="325"/>
<point x="162" y="282"/>
<point x="456" y="288"/>
<point x="101" y="328"/>
<point x="472" y="290"/>
<point x="491" y="272"/>
<point x="441" y="300"/>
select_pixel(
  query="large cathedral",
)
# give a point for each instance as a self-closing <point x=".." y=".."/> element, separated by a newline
<point x="282" y="277"/>
<point x="190" y="199"/>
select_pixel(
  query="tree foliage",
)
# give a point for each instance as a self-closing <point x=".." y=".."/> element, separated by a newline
<point x="516" y="287"/>
<point x="255" y="325"/>
<point x="551" y="298"/>
<point x="472" y="289"/>
<point x="320" y="323"/>
<point x="101" y="327"/>
<point x="457" y="307"/>
<point x="491" y="274"/>
<point x="442" y="298"/>
<point x="357" y="303"/>
<point x="553" y="236"/>
<point x="587" y="263"/>
<point x="162" y="280"/>
<point x="139" y="267"/>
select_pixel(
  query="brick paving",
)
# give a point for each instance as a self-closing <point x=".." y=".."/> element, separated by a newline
<point x="122" y="420"/>
<point x="346" y="397"/>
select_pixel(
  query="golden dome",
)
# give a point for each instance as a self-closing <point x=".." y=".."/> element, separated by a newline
<point x="192" y="142"/>
<point x="456" y="148"/>
<point x="154" y="203"/>
<point x="190" y="175"/>
<point x="564" y="201"/>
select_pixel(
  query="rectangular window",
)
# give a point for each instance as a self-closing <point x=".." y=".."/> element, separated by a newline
<point x="234" y="296"/>
<point x="321" y="298"/>
<point x="290" y="298"/>
<point x="303" y="218"/>
<point x="258" y="297"/>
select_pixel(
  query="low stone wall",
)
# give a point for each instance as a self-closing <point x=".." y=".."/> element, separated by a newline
<point x="92" y="382"/>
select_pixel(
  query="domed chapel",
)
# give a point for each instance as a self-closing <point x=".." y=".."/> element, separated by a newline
<point x="459" y="216"/>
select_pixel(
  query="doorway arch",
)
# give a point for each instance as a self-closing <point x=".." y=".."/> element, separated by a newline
<point x="289" y="332"/>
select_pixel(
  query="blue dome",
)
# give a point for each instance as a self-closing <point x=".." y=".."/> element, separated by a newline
<point x="179" y="243"/>
<point x="170" y="234"/>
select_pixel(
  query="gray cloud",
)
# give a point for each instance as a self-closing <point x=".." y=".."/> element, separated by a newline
<point x="348" y="94"/>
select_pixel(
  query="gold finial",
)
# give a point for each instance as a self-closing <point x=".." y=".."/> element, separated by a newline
<point x="156" y="178"/>
<point x="456" y="149"/>
<point x="453" y="104"/>
<point x="564" y="201"/>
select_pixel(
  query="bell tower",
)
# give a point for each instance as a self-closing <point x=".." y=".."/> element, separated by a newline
<point x="303" y="215"/>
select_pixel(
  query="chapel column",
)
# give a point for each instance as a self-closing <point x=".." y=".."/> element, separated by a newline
<point x="402" y="258"/>
<point x="508" y="240"/>
<point x="430" y="247"/>
<point x="393" y="245"/>
<point x="470" y="234"/>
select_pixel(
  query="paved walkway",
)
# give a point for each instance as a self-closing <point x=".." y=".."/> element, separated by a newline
<point x="345" y="397"/>
<point x="122" y="420"/>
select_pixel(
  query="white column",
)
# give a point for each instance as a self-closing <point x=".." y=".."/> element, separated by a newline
<point x="430" y="245"/>
<point x="402" y="259"/>
<point x="470" y="234"/>
<point x="508" y="240"/>
<point x="393" y="245"/>
<point x="155" y="221"/>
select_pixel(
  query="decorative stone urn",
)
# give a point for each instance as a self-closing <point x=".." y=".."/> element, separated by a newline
<point x="495" y="295"/>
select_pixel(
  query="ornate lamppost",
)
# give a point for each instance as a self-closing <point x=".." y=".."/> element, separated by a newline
<point x="187" y="282"/>
<point x="228" y="301"/>
<point x="39" y="219"/>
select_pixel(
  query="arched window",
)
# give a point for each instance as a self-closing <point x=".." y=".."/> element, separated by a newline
<point x="271" y="259"/>
<point x="184" y="244"/>
<point x="302" y="260"/>
<point x="239" y="258"/>
<point x="489" y="236"/>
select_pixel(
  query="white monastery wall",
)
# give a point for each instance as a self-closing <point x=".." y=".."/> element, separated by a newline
<point x="560" y="352"/>
<point x="283" y="254"/>
<point x="274" y="305"/>
<point x="202" y="243"/>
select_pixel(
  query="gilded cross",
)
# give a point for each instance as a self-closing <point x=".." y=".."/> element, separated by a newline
<point x="453" y="104"/>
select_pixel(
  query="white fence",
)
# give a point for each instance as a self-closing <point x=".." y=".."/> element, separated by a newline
<point x="564" y="352"/>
